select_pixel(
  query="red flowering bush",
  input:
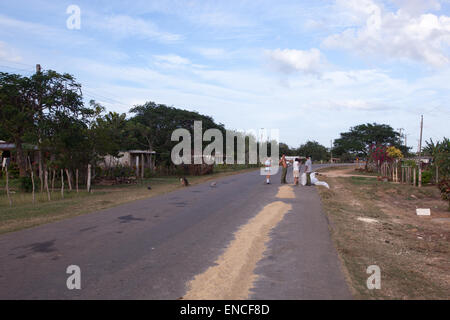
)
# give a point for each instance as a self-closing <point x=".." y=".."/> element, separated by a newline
<point x="379" y="154"/>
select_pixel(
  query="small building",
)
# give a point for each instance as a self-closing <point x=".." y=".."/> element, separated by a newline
<point x="8" y="150"/>
<point x="131" y="158"/>
<point x="425" y="161"/>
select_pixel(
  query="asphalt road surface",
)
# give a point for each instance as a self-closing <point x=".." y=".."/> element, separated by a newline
<point x="152" y="248"/>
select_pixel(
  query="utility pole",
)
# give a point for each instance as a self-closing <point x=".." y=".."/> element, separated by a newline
<point x="41" y="169"/>
<point x="331" y="151"/>
<point x="420" y="151"/>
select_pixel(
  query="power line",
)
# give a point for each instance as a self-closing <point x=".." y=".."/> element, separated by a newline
<point x="19" y="63"/>
<point x="16" y="69"/>
<point x="94" y="95"/>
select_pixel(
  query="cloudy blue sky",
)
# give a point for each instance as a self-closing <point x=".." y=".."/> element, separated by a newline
<point x="310" y="68"/>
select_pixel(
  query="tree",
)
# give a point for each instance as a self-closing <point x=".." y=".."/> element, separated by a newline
<point x="441" y="158"/>
<point x="110" y="134"/>
<point x="36" y="109"/>
<point x="17" y="114"/>
<point x="359" y="139"/>
<point x="313" y="149"/>
<point x="284" y="149"/>
<point x="153" y="124"/>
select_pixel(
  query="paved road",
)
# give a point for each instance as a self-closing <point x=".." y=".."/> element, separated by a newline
<point x="150" y="249"/>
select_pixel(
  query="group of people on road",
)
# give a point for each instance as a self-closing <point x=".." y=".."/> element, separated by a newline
<point x="296" y="165"/>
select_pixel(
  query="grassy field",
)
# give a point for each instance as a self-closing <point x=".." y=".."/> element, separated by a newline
<point x="25" y="214"/>
<point x="375" y="223"/>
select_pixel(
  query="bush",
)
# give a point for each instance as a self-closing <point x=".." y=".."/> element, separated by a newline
<point x="148" y="173"/>
<point x="123" y="172"/>
<point x="444" y="187"/>
<point x="26" y="184"/>
<point x="426" y="177"/>
<point x="13" y="170"/>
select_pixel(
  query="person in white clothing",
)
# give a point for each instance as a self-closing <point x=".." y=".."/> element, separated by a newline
<point x="296" y="170"/>
<point x="268" y="164"/>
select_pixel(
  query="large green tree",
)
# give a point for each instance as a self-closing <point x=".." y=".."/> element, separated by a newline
<point x="313" y="149"/>
<point x="41" y="109"/>
<point x="358" y="140"/>
<point x="152" y="126"/>
<point x="17" y="113"/>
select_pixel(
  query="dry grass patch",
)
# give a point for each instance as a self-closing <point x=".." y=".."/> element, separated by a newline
<point x="412" y="251"/>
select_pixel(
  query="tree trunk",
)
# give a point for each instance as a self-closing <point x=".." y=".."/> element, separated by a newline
<point x="69" y="180"/>
<point x="21" y="162"/>
<point x="62" y="184"/>
<point x="437" y="174"/>
<point x="41" y="171"/>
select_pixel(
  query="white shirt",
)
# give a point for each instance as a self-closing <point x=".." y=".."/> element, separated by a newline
<point x="296" y="166"/>
<point x="309" y="165"/>
<point x="267" y="163"/>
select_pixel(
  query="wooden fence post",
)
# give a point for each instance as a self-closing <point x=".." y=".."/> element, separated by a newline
<point x="7" y="186"/>
<point x="53" y="180"/>
<point x="62" y="184"/>
<point x="32" y="178"/>
<point x="142" y="166"/>
<point x="89" y="179"/>
<point x="69" y="179"/>
<point x="46" y="184"/>
<point x="76" y="179"/>
<point x="414" y="174"/>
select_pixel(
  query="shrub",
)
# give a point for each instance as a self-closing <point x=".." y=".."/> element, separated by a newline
<point x="444" y="187"/>
<point x="13" y="170"/>
<point x="394" y="153"/>
<point x="148" y="173"/>
<point x="426" y="177"/>
<point x="123" y="172"/>
<point x="26" y="184"/>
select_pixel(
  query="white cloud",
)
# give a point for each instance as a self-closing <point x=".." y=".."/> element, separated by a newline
<point x="172" y="59"/>
<point x="290" y="60"/>
<point x="415" y="7"/>
<point x="8" y="54"/>
<point x="211" y="53"/>
<point x="424" y="37"/>
<point x="124" y="26"/>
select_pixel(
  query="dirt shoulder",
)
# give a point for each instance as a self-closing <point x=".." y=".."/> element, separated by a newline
<point x="375" y="223"/>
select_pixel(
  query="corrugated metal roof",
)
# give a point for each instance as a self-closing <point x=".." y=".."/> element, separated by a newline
<point x="11" y="146"/>
<point x="7" y="146"/>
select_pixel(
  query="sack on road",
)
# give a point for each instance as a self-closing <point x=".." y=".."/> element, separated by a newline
<point x="316" y="181"/>
<point x="303" y="179"/>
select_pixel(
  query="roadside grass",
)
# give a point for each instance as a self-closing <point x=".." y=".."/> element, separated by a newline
<point x="365" y="173"/>
<point x="334" y="168"/>
<point x="24" y="214"/>
<point x="412" y="251"/>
